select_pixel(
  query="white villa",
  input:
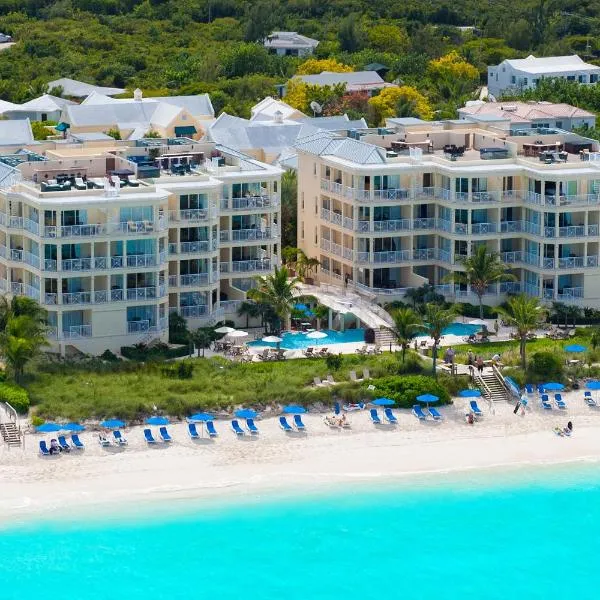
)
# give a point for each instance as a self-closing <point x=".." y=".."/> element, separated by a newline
<point x="290" y="43"/>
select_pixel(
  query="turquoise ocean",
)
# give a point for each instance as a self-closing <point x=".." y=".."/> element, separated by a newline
<point x="495" y="535"/>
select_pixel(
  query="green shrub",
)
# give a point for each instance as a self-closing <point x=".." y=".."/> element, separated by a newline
<point x="16" y="396"/>
<point x="37" y="421"/>
<point x="453" y="383"/>
<point x="109" y="356"/>
<point x="405" y="389"/>
<point x="545" y="366"/>
<point x="517" y="375"/>
<point x="181" y="370"/>
<point x="472" y="311"/>
<point x="334" y="362"/>
<point x="412" y="365"/>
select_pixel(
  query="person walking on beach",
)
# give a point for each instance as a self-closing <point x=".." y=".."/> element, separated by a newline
<point x="470" y="357"/>
<point x="479" y="363"/>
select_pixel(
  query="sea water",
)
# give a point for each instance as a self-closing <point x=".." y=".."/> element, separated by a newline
<point x="471" y="536"/>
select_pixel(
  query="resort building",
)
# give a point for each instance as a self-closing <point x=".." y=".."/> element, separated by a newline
<point x="290" y="43"/>
<point x="516" y="75"/>
<point x="112" y="238"/>
<point x="402" y="206"/>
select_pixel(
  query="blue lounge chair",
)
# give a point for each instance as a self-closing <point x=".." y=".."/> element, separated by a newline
<point x="390" y="416"/>
<point x="529" y="388"/>
<point x="210" y="427"/>
<point x="164" y="434"/>
<point x="435" y="414"/>
<point x="283" y="423"/>
<point x="587" y="396"/>
<point x="475" y="408"/>
<point x="193" y="431"/>
<point x="559" y="401"/>
<point x="44" y="448"/>
<point x="298" y="423"/>
<point x="252" y="428"/>
<point x="374" y="416"/>
<point x="418" y="412"/>
<point x="545" y="402"/>
<point x="62" y="442"/>
<point x="235" y="426"/>
<point x="119" y="438"/>
<point x="540" y="388"/>
<point x="77" y="443"/>
<point x="149" y="437"/>
<point x="336" y="408"/>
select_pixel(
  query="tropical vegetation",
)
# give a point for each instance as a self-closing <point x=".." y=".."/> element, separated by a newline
<point x="437" y="318"/>
<point x="407" y="325"/>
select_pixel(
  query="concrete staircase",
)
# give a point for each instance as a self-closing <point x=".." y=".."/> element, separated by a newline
<point x="491" y="387"/>
<point x="10" y="433"/>
<point x="384" y="337"/>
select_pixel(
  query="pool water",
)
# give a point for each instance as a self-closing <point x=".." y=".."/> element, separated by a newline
<point x="297" y="340"/>
<point x="461" y="329"/>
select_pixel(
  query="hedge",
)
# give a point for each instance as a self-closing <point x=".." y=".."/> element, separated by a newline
<point x="405" y="389"/>
<point x="16" y="396"/>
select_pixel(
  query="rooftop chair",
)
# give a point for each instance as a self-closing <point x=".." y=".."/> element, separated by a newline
<point x="390" y="417"/>
<point x="62" y="442"/>
<point x="418" y="412"/>
<point x="366" y="374"/>
<point x="435" y="414"/>
<point x="298" y="423"/>
<point x="103" y="441"/>
<point x="210" y="428"/>
<point x="164" y="434"/>
<point x="192" y="431"/>
<point x="149" y="437"/>
<point x="330" y="380"/>
<point x="475" y="408"/>
<point x="251" y="426"/>
<point x="120" y="438"/>
<point x="545" y="402"/>
<point x="44" y="448"/>
<point x="587" y="396"/>
<point x="283" y="423"/>
<point x="559" y="401"/>
<point x="77" y="443"/>
<point x="235" y="426"/>
<point x="375" y="417"/>
<point x="529" y="388"/>
<point x="80" y="184"/>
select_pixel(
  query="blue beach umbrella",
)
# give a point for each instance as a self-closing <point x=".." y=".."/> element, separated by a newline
<point x="553" y="386"/>
<point x="294" y="409"/>
<point x="575" y="348"/>
<point x="157" y="421"/>
<point x="246" y="413"/>
<point x="469" y="393"/>
<point x="48" y="428"/>
<point x="112" y="424"/>
<point x="75" y="427"/>
<point x="202" y="417"/>
<point x="427" y="398"/>
<point x="593" y="385"/>
<point x="383" y="402"/>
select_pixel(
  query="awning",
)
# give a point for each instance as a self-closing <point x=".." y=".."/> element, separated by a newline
<point x="62" y="126"/>
<point x="185" y="130"/>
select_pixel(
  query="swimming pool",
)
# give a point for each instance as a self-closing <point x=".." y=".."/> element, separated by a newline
<point x="297" y="340"/>
<point x="461" y="329"/>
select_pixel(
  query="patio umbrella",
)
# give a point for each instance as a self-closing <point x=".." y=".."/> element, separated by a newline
<point x="272" y="339"/>
<point x="427" y="398"/>
<point x="316" y="335"/>
<point x="48" y="428"/>
<point x="469" y="393"/>
<point x="236" y="333"/>
<point x="575" y="348"/>
<point x="383" y="402"/>
<point x="75" y="427"/>
<point x="225" y="329"/>
<point x="112" y="424"/>
<point x="477" y="322"/>
<point x="201" y="417"/>
<point x="293" y="409"/>
<point x="157" y="421"/>
<point x="552" y="386"/>
<point x="246" y="413"/>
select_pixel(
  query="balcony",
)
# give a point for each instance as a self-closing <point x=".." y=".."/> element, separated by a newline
<point x="230" y="307"/>
<point x="146" y="293"/>
<point x="391" y="194"/>
<point x="192" y="215"/>
<point x="249" y="203"/>
<point x="77" y="298"/>
<point x="244" y="266"/>
<point x="76" y="264"/>
<point x="141" y="260"/>
<point x="195" y="279"/>
<point x="24" y="289"/>
<point x="193" y="312"/>
<point x="197" y="247"/>
<point x="83" y="230"/>
<point x="77" y="331"/>
<point x="424" y="223"/>
<point x="484" y="228"/>
<point x="241" y="235"/>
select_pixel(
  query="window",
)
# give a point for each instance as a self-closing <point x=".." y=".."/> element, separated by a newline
<point x="316" y="236"/>
<point x="524" y="80"/>
<point x="559" y="124"/>
<point x="535" y="82"/>
<point x="570" y="77"/>
<point x="593" y="78"/>
<point x="513" y="79"/>
<point x="315" y="169"/>
<point x="316" y="206"/>
<point x="302" y="199"/>
<point x="302" y="230"/>
<point x="582" y="79"/>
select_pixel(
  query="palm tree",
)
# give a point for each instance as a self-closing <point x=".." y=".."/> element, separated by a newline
<point x="482" y="269"/>
<point x="407" y="324"/>
<point x="437" y="319"/>
<point x="277" y="290"/>
<point x="525" y="314"/>
<point x="595" y="338"/>
<point x="202" y="338"/>
<point x="21" y="341"/>
<point x="321" y="312"/>
<point x="249" y="309"/>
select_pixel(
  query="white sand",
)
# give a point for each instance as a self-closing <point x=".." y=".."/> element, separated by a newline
<point x="233" y="467"/>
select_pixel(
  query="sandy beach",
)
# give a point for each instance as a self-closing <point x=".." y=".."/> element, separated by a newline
<point x="234" y="468"/>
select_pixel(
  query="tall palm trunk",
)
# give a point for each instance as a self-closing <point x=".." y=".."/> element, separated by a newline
<point x="523" y="342"/>
<point x="480" y="306"/>
<point x="434" y="350"/>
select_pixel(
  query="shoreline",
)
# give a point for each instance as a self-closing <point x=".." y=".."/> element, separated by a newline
<point x="230" y="470"/>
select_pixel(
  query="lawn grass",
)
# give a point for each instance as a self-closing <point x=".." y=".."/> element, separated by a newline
<point x="130" y="392"/>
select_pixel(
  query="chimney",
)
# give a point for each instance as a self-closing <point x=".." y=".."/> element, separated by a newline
<point x="278" y="116"/>
<point x="137" y="94"/>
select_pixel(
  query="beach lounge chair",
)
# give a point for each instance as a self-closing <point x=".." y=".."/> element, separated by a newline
<point x="192" y="431"/>
<point x="164" y="434"/>
<point x="103" y="441"/>
<point x="324" y="352"/>
<point x="475" y="408"/>
<point x="318" y="382"/>
<point x="545" y="402"/>
<point x="559" y="401"/>
<point x="235" y="426"/>
<point x="390" y="417"/>
<point x="283" y="423"/>
<point x="62" y="442"/>
<point x="251" y="426"/>
<point x="330" y="380"/>
<point x="77" y="443"/>
<point x="298" y="424"/>
<point x="44" y="448"/>
<point x="149" y="437"/>
<point x="540" y="388"/>
<point x="529" y="388"/>
<point x="362" y="351"/>
<point x="309" y="352"/>
<point x="120" y="438"/>
<point x="366" y="374"/>
<point x="336" y="408"/>
<point x="210" y="428"/>
<point x="80" y="184"/>
<point x="587" y="396"/>
<point x="435" y="414"/>
<point x="418" y="412"/>
<point x="375" y="417"/>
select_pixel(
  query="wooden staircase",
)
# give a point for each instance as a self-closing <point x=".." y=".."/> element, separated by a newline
<point x="491" y="387"/>
<point x="11" y="434"/>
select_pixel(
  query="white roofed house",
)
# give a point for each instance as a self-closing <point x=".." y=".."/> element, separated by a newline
<point x="80" y="89"/>
<point x="44" y="108"/>
<point x="514" y="75"/>
<point x="358" y="81"/>
<point x="290" y="43"/>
